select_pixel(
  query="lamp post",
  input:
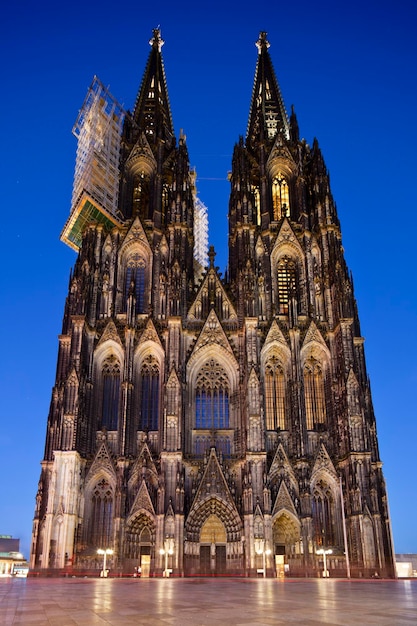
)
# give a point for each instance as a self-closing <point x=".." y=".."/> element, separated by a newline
<point x="265" y="552"/>
<point x="104" y="552"/>
<point x="167" y="551"/>
<point x="324" y="553"/>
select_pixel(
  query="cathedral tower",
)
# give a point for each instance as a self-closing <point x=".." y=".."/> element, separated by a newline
<point x="200" y="425"/>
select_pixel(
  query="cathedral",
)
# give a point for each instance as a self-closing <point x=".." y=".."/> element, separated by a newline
<point x="203" y="425"/>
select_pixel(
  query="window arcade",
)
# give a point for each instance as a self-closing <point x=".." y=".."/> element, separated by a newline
<point x="111" y="393"/>
<point x="314" y="394"/>
<point x="149" y="396"/>
<point x="275" y="405"/>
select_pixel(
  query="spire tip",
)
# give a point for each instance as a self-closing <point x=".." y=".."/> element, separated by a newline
<point x="262" y="43"/>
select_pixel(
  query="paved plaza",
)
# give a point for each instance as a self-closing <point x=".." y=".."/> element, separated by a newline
<point x="207" y="602"/>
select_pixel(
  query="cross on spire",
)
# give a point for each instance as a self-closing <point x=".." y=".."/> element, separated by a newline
<point x="156" y="41"/>
<point x="262" y="43"/>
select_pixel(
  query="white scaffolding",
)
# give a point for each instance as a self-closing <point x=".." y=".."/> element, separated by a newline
<point x="200" y="232"/>
<point x="96" y="179"/>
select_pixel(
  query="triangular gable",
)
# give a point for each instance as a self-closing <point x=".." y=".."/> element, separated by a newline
<point x="72" y="378"/>
<point x="211" y="283"/>
<point x="173" y="380"/>
<point x="142" y="501"/>
<point x="253" y="378"/>
<point x="150" y="334"/>
<point x="213" y="333"/>
<point x="260" y="247"/>
<point x="170" y="511"/>
<point x="352" y="381"/>
<point x="283" y="501"/>
<point x="213" y="483"/>
<point x="313" y="335"/>
<point x="287" y="238"/>
<point x="143" y="154"/>
<point x="281" y="467"/>
<point x="102" y="461"/>
<point x="275" y="335"/>
<point x="144" y="459"/>
<point x="136" y="234"/>
<point x="280" y="152"/>
<point x="324" y="463"/>
<point x="110" y="334"/>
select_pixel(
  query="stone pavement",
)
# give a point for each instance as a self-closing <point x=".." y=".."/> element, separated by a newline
<point x="207" y="602"/>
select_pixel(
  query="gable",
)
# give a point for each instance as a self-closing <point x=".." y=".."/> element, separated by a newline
<point x="211" y="293"/>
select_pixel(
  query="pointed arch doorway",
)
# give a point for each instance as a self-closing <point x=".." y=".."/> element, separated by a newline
<point x="213" y="539"/>
<point x="287" y="543"/>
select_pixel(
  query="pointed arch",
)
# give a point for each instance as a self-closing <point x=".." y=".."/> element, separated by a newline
<point x="140" y="536"/>
<point x="148" y="376"/>
<point x="135" y="270"/>
<point x="108" y="364"/>
<point x="111" y="393"/>
<point x="275" y="394"/>
<point x="324" y="510"/>
<point x="315" y="359"/>
<point x="212" y="396"/>
<point x="149" y="394"/>
<point x="288" y="272"/>
<point x="314" y="393"/>
<point x="99" y="511"/>
<point x="280" y="196"/>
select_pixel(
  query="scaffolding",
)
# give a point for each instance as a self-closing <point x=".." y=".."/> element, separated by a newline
<point x="95" y="195"/>
<point x="200" y="232"/>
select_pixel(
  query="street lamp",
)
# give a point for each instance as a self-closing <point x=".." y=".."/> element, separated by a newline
<point x="264" y="553"/>
<point x="324" y="553"/>
<point x="107" y="551"/>
<point x="167" y="551"/>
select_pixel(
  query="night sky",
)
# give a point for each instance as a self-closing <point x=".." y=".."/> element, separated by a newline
<point x="350" y="72"/>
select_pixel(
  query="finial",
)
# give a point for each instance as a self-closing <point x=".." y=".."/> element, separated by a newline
<point x="262" y="43"/>
<point x="156" y="41"/>
<point x="211" y="256"/>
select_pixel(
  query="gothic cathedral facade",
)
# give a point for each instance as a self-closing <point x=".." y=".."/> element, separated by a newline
<point x="202" y="425"/>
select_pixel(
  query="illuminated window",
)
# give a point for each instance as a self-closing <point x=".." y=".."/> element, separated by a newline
<point x="149" y="405"/>
<point x="287" y="283"/>
<point x="314" y="394"/>
<point x="212" y="397"/>
<point x="111" y="391"/>
<point x="135" y="282"/>
<point x="274" y="395"/>
<point x="280" y="197"/>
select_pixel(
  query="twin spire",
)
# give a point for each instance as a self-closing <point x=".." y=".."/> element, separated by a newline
<point x="152" y="111"/>
<point x="267" y="117"/>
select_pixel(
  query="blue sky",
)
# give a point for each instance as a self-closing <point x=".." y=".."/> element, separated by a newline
<point x="349" y="70"/>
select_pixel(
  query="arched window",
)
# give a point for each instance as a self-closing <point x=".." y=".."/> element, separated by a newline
<point x="314" y="394"/>
<point x="275" y="406"/>
<point x="135" y="280"/>
<point x="111" y="392"/>
<point x="101" y="520"/>
<point x="287" y="283"/>
<point x="280" y="197"/>
<point x="323" y="510"/>
<point x="149" y="395"/>
<point x="212" y="397"/>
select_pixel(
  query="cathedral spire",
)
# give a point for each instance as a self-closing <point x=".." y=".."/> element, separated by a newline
<point x="267" y="116"/>
<point x="152" y="112"/>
